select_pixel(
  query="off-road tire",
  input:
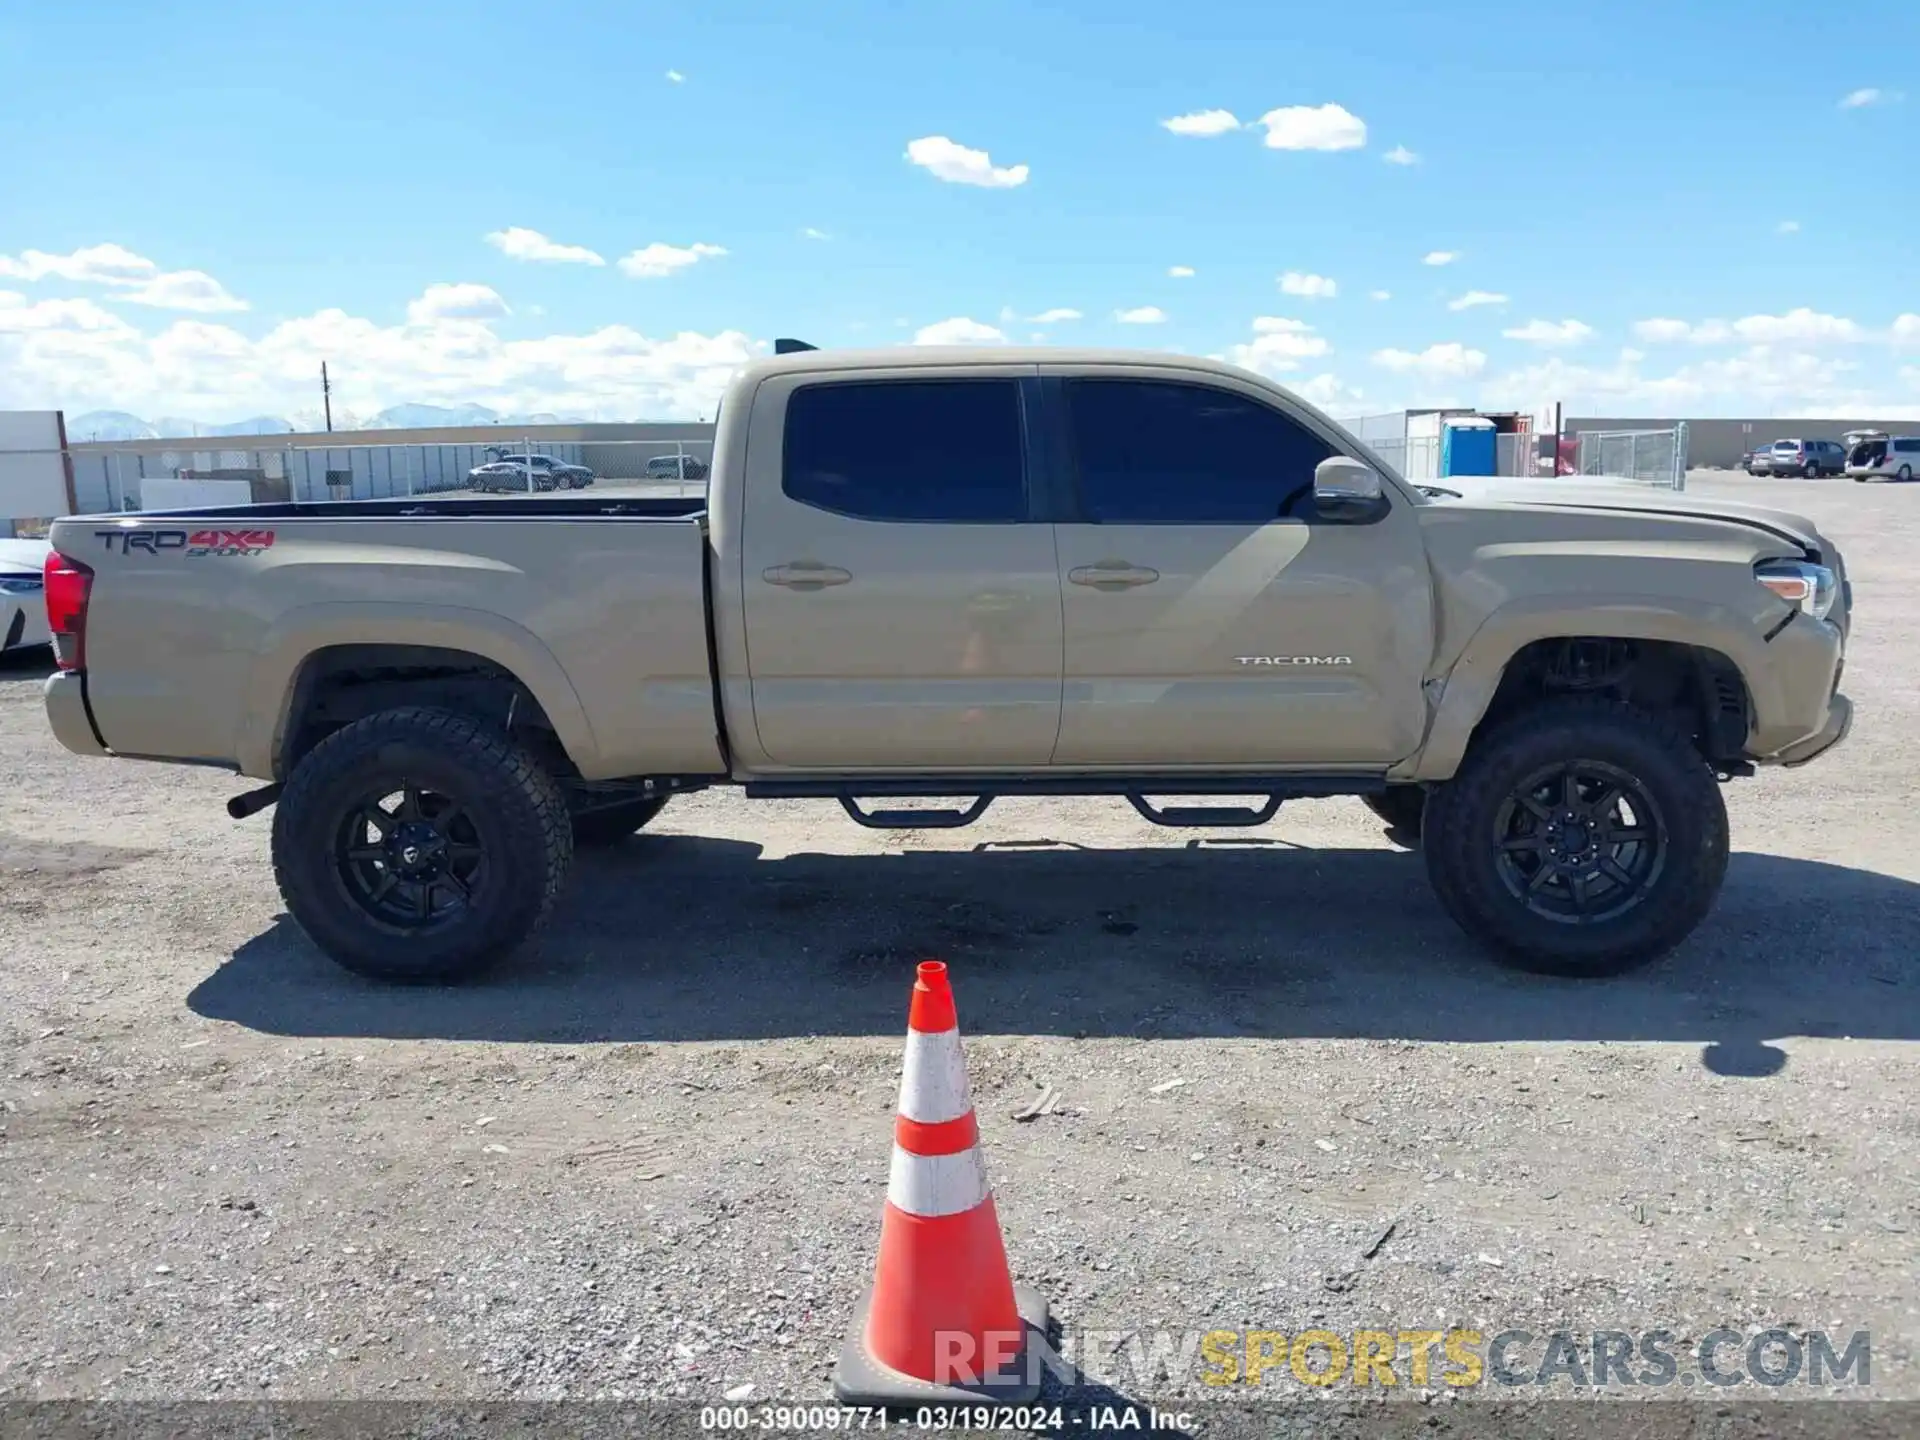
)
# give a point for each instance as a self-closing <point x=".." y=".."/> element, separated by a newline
<point x="1403" y="807"/>
<point x="1462" y="848"/>
<point x="517" y="811"/>
<point x="614" y="823"/>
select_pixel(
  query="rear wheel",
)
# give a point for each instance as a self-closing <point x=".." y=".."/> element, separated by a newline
<point x="610" y="824"/>
<point x="1582" y="838"/>
<point x="420" y="845"/>
<point x="1904" y="474"/>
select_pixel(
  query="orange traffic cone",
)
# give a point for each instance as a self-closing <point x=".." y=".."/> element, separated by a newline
<point x="945" y="1320"/>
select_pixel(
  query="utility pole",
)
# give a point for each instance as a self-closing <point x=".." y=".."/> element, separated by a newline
<point x="326" y="396"/>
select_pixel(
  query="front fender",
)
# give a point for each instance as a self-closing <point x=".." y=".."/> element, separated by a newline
<point x="293" y="638"/>
<point x="1467" y="689"/>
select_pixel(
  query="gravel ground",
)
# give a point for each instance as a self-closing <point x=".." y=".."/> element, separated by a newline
<point x="648" y="1158"/>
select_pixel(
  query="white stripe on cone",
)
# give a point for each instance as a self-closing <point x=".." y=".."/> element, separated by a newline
<point x="933" y="1086"/>
<point x="932" y="1185"/>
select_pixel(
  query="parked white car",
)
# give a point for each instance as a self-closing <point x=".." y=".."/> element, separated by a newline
<point x="23" y="607"/>
<point x="1884" y="457"/>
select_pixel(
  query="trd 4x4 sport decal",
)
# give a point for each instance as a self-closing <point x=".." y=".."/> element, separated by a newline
<point x="194" y="544"/>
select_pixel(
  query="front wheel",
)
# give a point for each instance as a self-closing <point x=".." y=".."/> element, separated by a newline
<point x="1582" y="838"/>
<point x="420" y="845"/>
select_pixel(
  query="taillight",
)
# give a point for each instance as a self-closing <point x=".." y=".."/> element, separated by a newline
<point x="69" y="585"/>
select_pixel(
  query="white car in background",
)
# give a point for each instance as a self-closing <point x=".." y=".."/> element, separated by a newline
<point x="23" y="607"/>
<point x="1884" y="457"/>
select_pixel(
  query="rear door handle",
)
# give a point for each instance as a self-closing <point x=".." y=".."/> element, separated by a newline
<point x="1112" y="575"/>
<point x="806" y="575"/>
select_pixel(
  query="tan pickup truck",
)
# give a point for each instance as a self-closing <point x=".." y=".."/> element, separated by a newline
<point x="923" y="574"/>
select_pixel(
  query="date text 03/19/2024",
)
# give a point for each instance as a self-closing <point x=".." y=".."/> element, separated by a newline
<point x="1094" y="1419"/>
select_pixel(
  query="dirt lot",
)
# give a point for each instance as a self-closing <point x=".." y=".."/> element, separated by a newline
<point x="648" y="1158"/>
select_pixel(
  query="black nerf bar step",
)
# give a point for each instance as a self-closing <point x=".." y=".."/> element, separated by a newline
<point x="915" y="819"/>
<point x="1205" y="815"/>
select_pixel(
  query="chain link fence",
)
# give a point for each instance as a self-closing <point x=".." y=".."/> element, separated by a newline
<point x="1652" y="457"/>
<point x="124" y="479"/>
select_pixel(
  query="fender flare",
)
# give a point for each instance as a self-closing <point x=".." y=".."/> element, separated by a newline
<point x="286" y="646"/>
<point x="1468" y="687"/>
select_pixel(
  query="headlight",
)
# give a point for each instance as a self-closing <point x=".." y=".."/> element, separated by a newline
<point x="1811" y="587"/>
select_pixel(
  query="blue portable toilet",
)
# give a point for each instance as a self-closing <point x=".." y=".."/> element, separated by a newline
<point x="1467" y="445"/>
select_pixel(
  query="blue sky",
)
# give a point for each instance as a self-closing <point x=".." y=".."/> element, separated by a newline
<point x="281" y="186"/>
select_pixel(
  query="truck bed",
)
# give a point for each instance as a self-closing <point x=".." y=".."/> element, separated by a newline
<point x="203" y="624"/>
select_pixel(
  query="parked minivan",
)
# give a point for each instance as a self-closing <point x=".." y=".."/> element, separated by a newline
<point x="1884" y="457"/>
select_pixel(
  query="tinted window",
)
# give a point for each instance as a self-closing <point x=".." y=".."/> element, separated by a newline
<point x="1151" y="452"/>
<point x="908" y="450"/>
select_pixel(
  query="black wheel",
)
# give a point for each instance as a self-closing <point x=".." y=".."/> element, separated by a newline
<point x="1582" y="838"/>
<point x="419" y="845"/>
<point x="1812" y="472"/>
<point x="610" y="824"/>
<point x="1904" y="474"/>
<point x="1402" y="807"/>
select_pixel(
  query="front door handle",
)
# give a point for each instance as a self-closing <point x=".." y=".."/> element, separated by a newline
<point x="1112" y="575"/>
<point x="806" y="575"/>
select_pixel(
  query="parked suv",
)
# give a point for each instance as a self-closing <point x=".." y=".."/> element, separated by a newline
<point x="1801" y="457"/>
<point x="676" y="467"/>
<point x="1884" y="457"/>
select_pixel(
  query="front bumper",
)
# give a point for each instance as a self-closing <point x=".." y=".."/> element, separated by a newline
<point x="1839" y="722"/>
<point x="66" y="695"/>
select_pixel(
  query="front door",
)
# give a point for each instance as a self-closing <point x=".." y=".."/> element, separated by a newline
<point x="1211" y="617"/>
<point x="902" y="604"/>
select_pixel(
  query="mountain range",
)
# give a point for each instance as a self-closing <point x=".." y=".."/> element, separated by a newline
<point x="110" y="425"/>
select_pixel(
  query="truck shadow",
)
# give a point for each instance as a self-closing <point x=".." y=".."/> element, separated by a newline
<point x="676" y="937"/>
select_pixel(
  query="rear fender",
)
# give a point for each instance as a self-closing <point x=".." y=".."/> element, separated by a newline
<point x="298" y="634"/>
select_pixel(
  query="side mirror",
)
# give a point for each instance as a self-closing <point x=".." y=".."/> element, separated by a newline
<point x="1346" y="489"/>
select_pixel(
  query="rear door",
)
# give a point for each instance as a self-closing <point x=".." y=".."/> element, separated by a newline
<point x="902" y="593"/>
<point x="1211" y="617"/>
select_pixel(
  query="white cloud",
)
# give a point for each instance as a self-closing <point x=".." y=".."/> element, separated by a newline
<point x="1450" y="360"/>
<point x="955" y="163"/>
<point x="183" y="290"/>
<point x="1788" y="227"/>
<point x="1905" y="330"/>
<point x="463" y="301"/>
<point x="1662" y="331"/>
<point x="657" y="259"/>
<point x="1802" y="326"/>
<point x="77" y="355"/>
<point x="1760" y="378"/>
<point x="1141" y="315"/>
<point x="1279" y="344"/>
<point x="1313" y="287"/>
<point x="1379" y="294"/>
<point x="1314" y="127"/>
<point x="107" y="264"/>
<point x="130" y="277"/>
<point x="1550" y="332"/>
<point x="675" y="76"/>
<point x="1054" y="316"/>
<point x="1329" y="392"/>
<point x="1868" y="95"/>
<point x="958" y="331"/>
<point x="808" y="232"/>
<point x="516" y="242"/>
<point x="1476" y="298"/>
<point x="1180" y="272"/>
<point x="1440" y="257"/>
<point x="1400" y="155"/>
<point x="1203" y="122"/>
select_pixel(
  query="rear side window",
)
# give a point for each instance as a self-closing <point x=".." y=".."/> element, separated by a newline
<point x="1160" y="453"/>
<point x="910" y="450"/>
<point x="1907" y="447"/>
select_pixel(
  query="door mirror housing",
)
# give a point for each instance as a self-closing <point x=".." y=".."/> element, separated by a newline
<point x="1347" y="489"/>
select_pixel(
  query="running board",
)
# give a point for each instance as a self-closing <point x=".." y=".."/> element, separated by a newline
<point x="915" y="819"/>
<point x="1196" y="816"/>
